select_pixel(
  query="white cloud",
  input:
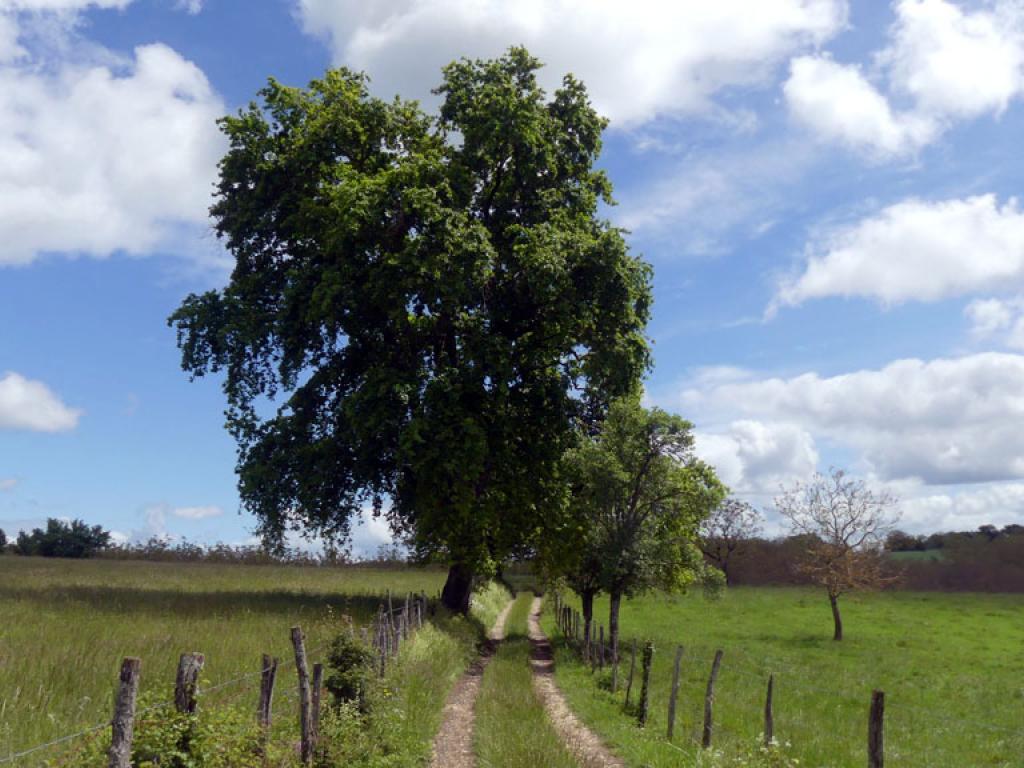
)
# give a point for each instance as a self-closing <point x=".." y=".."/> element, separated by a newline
<point x="942" y="421"/>
<point x="754" y="457"/>
<point x="8" y="483"/>
<point x="839" y="104"/>
<point x="948" y="64"/>
<point x="99" y="156"/>
<point x="190" y="6"/>
<point x="638" y="59"/>
<point x="960" y="509"/>
<point x="916" y="250"/>
<point x="31" y="405"/>
<point x="197" y="513"/>
<point x="956" y="63"/>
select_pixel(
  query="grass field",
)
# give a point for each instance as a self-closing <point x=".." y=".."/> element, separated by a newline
<point x="512" y="728"/>
<point x="67" y="624"/>
<point x="952" y="667"/>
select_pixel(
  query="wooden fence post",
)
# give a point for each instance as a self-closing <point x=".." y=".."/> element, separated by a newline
<point x="709" y="701"/>
<point x="600" y="650"/>
<point x="876" y="722"/>
<point x="675" y="693"/>
<point x="632" y="670"/>
<point x="645" y="684"/>
<point x="769" y="714"/>
<point x="186" y="683"/>
<point x="123" y="723"/>
<point x="265" y="708"/>
<point x="305" y="696"/>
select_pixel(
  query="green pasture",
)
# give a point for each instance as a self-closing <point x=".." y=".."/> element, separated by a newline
<point x="65" y="625"/>
<point x="951" y="665"/>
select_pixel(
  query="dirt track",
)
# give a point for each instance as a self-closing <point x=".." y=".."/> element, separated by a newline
<point x="453" y="745"/>
<point x="588" y="749"/>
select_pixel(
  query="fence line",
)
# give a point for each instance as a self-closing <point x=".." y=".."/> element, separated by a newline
<point x="568" y="621"/>
<point x="391" y="626"/>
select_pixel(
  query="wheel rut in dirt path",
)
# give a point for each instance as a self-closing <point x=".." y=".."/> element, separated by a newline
<point x="453" y="745"/>
<point x="581" y="741"/>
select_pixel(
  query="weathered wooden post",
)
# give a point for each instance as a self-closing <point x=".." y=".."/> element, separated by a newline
<point x="632" y="670"/>
<point x="186" y="683"/>
<point x="600" y="649"/>
<point x="123" y="722"/>
<point x="318" y="685"/>
<point x="709" y="701"/>
<point x="769" y="714"/>
<point x="674" y="693"/>
<point x="305" y="696"/>
<point x="876" y="723"/>
<point x="265" y="708"/>
<point x="645" y="684"/>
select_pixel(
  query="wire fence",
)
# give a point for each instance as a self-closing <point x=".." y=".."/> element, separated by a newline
<point x="389" y="627"/>
<point x="905" y="716"/>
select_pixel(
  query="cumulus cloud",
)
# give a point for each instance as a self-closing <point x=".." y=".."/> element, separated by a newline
<point x="639" y="59"/>
<point x="956" y="63"/>
<point x="197" y="513"/>
<point x="958" y="509"/>
<point x="946" y="63"/>
<point x="30" y="405"/>
<point x="97" y="155"/>
<point x="753" y="457"/>
<point x="916" y="250"/>
<point x="949" y="420"/>
<point x="838" y="103"/>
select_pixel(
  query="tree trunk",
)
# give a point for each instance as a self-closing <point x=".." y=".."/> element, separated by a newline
<point x="587" y="598"/>
<point x="458" y="588"/>
<point x="834" y="600"/>
<point x="615" y="600"/>
<point x="725" y="572"/>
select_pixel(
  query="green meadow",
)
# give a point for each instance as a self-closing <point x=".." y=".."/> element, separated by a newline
<point x="65" y="625"/>
<point x="951" y="666"/>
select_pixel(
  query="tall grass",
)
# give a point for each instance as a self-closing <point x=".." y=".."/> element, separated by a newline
<point x="65" y="626"/>
<point x="952" y="668"/>
<point x="512" y="729"/>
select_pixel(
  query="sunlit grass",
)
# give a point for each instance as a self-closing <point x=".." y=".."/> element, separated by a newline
<point x="66" y="625"/>
<point x="952" y="667"/>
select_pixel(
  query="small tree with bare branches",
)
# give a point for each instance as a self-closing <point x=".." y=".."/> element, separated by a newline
<point x="845" y="523"/>
<point x="724" y="532"/>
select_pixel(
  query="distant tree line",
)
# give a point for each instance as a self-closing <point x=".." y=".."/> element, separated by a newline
<point x="76" y="539"/>
<point x="988" y="559"/>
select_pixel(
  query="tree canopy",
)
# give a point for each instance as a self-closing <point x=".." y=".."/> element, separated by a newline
<point x="640" y="495"/>
<point x="423" y="309"/>
<point x="62" y="539"/>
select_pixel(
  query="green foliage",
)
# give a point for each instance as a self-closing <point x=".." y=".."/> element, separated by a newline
<point x="61" y="539"/>
<point x="639" y="497"/>
<point x="350" y="663"/>
<point x="3" y="541"/>
<point x="431" y="304"/>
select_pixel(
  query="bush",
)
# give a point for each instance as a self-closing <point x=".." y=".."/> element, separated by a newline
<point x="60" y="539"/>
<point x="3" y="541"/>
<point x="350" y="663"/>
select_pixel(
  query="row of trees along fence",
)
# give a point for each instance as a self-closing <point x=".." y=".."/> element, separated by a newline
<point x="390" y="629"/>
<point x="598" y="654"/>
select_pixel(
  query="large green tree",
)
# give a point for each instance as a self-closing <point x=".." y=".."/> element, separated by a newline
<point x="423" y="309"/>
<point x="641" y="495"/>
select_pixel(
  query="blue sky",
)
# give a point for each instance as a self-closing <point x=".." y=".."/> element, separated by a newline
<point x="826" y="191"/>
